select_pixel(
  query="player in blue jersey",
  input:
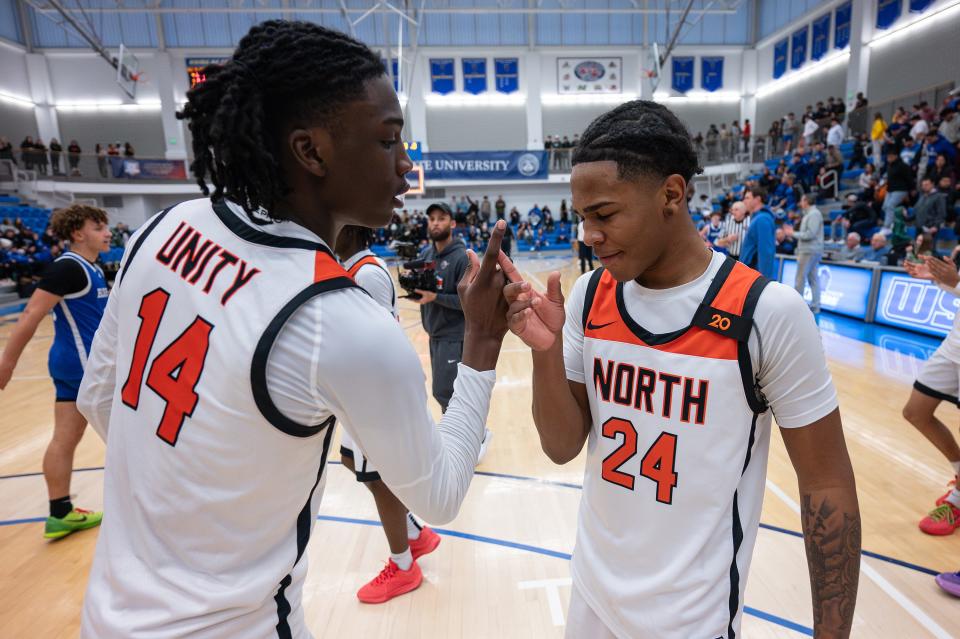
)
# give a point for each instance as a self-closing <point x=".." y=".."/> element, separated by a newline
<point x="74" y="288"/>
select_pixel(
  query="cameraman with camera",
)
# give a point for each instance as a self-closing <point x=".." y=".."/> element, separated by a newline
<point x="440" y="309"/>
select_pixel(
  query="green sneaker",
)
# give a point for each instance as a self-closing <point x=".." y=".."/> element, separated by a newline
<point x="76" y="519"/>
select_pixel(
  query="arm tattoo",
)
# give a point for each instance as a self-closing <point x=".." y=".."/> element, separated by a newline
<point x="832" y="539"/>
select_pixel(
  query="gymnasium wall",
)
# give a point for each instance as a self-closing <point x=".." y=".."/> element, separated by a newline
<point x="487" y="128"/>
<point x="17" y="121"/>
<point x="915" y="62"/>
<point x="13" y="80"/>
<point x="142" y="129"/>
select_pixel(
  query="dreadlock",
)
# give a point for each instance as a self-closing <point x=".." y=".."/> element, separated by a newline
<point x="281" y="70"/>
<point x="643" y="138"/>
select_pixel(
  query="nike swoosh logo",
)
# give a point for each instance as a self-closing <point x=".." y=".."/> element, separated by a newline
<point x="593" y="327"/>
<point x="451" y="361"/>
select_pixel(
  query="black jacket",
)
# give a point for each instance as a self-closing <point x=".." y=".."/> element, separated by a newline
<point x="899" y="177"/>
<point x="443" y="318"/>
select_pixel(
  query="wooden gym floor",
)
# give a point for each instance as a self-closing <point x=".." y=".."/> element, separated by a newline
<point x="502" y="569"/>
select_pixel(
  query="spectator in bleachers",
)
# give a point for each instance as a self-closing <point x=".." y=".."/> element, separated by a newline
<point x="949" y="125"/>
<point x="834" y="159"/>
<point x="775" y="133"/>
<point x="534" y="215"/>
<point x="6" y="150"/>
<point x="878" y="249"/>
<point x="787" y="194"/>
<point x="851" y="251"/>
<point x="937" y="144"/>
<point x="514" y="216"/>
<point x="712" y="140"/>
<point x="55" y="152"/>
<point x="784" y="242"/>
<point x="810" y="128"/>
<point x="910" y="153"/>
<point x="759" y="243"/>
<point x="40" y="153"/>
<point x="128" y="151"/>
<point x="919" y="127"/>
<point x="857" y="157"/>
<point x="835" y="134"/>
<point x="866" y="179"/>
<point x="500" y="207"/>
<point x="930" y="211"/>
<point x="27" y="155"/>
<point x="485" y="209"/>
<point x="724" y="142"/>
<point x="101" y="153"/>
<point x="745" y="135"/>
<point x="564" y="212"/>
<point x="73" y="157"/>
<point x="899" y="181"/>
<point x="712" y="232"/>
<point x="941" y="169"/>
<point x="861" y="102"/>
<point x="877" y="134"/>
<point x="809" y="250"/>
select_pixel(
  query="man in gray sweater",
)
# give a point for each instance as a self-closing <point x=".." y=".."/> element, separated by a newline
<point x="931" y="209"/>
<point x="809" y="250"/>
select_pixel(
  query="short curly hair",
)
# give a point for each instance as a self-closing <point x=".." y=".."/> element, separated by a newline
<point x="68" y="220"/>
<point x="643" y="138"/>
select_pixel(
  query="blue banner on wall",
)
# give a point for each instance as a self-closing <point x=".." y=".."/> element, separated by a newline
<point x="507" y="71"/>
<point x="441" y="75"/>
<point x="486" y="165"/>
<point x="798" y="48"/>
<point x="681" y="75"/>
<point x="841" y="26"/>
<point x="821" y="37"/>
<point x="843" y="289"/>
<point x="919" y="6"/>
<point x="148" y="169"/>
<point x="915" y="304"/>
<point x="780" y="58"/>
<point x="887" y="12"/>
<point x="474" y="75"/>
<point x="711" y="73"/>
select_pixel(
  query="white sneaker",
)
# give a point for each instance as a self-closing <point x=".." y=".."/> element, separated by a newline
<point x="487" y="437"/>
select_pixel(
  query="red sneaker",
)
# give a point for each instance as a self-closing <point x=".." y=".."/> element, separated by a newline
<point x="390" y="583"/>
<point x="425" y="544"/>
<point x="942" y="520"/>
<point x="950" y="487"/>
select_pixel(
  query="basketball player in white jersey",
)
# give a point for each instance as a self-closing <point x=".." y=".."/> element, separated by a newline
<point x="408" y="538"/>
<point x="234" y="340"/>
<point x="656" y="364"/>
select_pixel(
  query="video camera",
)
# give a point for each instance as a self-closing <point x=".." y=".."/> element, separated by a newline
<point x="417" y="274"/>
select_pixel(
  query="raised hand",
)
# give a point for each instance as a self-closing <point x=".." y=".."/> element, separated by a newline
<point x="481" y="291"/>
<point x="919" y="271"/>
<point x="943" y="270"/>
<point x="536" y="318"/>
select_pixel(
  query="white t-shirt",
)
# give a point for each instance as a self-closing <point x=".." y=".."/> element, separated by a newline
<point x="785" y="344"/>
<point x="950" y="347"/>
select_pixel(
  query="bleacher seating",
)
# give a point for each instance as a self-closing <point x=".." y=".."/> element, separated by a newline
<point x="34" y="218"/>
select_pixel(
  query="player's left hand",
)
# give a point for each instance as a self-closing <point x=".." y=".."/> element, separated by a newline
<point x="426" y="297"/>
<point x="943" y="270"/>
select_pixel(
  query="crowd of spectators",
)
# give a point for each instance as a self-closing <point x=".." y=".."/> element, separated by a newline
<point x="540" y="229"/>
<point x="24" y="253"/>
<point x="560" y="150"/>
<point x="900" y="206"/>
<point x="723" y="144"/>
<point x="54" y="160"/>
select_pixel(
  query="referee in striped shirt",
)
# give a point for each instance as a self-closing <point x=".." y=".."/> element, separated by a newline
<point x="734" y="229"/>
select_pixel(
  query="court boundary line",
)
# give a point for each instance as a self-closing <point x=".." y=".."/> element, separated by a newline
<point x="505" y="543"/>
<point x="563" y="484"/>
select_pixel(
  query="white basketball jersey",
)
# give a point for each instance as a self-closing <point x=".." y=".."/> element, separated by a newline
<point x="371" y="274"/>
<point x="676" y="461"/>
<point x="210" y="492"/>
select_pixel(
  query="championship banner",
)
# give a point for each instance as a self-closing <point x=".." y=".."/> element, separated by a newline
<point x="507" y="74"/>
<point x="841" y="26"/>
<point x="798" y="48"/>
<point x="887" y="12"/>
<point x="486" y="165"/>
<point x="711" y="73"/>
<point x="474" y="75"/>
<point x="821" y="37"/>
<point x="919" y="6"/>
<point x="441" y="75"/>
<point x="576" y="76"/>
<point x="780" y="58"/>
<point x="681" y="75"/>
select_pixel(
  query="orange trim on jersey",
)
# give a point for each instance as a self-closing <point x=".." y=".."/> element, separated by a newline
<point x="326" y="268"/>
<point x="363" y="261"/>
<point x="733" y="294"/>
<point x="604" y="321"/>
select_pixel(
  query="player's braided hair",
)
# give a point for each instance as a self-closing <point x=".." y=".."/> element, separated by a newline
<point x="643" y="138"/>
<point x="280" y="70"/>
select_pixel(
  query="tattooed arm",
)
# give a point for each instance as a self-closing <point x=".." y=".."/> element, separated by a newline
<point x="831" y="521"/>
